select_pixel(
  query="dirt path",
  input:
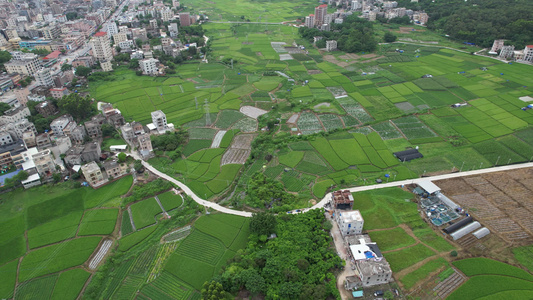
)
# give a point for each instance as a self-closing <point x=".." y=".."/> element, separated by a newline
<point x="160" y="205"/>
<point x="131" y="219"/>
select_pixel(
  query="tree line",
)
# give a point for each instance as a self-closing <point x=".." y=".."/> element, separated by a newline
<point x="353" y="35"/>
<point x="480" y="21"/>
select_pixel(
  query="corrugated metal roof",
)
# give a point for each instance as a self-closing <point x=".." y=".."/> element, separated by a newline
<point x="429" y="186"/>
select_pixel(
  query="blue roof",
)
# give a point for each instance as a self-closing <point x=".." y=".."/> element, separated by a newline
<point x="357" y="294"/>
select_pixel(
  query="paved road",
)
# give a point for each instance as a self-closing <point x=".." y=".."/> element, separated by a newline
<point x="191" y="194"/>
<point x="432" y="178"/>
<point x="326" y="199"/>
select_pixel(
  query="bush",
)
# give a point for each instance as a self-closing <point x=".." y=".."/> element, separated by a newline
<point x="453" y="253"/>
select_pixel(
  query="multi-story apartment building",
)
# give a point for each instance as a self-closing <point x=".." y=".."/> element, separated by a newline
<point x="101" y="47"/>
<point x="149" y="66"/>
<point x="44" y="78"/>
<point x="92" y="174"/>
<point x="44" y="163"/>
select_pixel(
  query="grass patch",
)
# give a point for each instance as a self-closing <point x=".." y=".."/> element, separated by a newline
<point x="69" y="284"/>
<point x="404" y="258"/>
<point x="391" y="239"/>
<point x="133" y="239"/>
<point x="144" y="212"/>
<point x="410" y="279"/>
<point x="99" y="221"/>
<point x="57" y="257"/>
<point x="484" y="266"/>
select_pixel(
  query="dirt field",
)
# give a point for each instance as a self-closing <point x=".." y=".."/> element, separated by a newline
<point x="500" y="201"/>
<point x="239" y="150"/>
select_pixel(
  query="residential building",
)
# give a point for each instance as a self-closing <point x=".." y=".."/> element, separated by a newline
<point x="27" y="65"/>
<point x="101" y="47"/>
<point x="78" y="134"/>
<point x="119" y="37"/>
<point x="149" y="66"/>
<point x="15" y="114"/>
<point x="86" y="61"/>
<point x="185" y="19"/>
<point x="173" y="29"/>
<point x="107" y="66"/>
<point x="115" y="169"/>
<point x="167" y="14"/>
<point x="44" y="77"/>
<point x="18" y="128"/>
<point x="44" y="163"/>
<point x="71" y="126"/>
<point x="137" y="55"/>
<point x="5" y="138"/>
<point x="331" y="45"/>
<point x="29" y="139"/>
<point x="159" y="119"/>
<point x="342" y="200"/>
<point x="370" y="265"/>
<point x="31" y="181"/>
<point x="145" y="145"/>
<point x="9" y="153"/>
<point x="139" y="33"/>
<point x="62" y="143"/>
<point x="350" y="222"/>
<point x="94" y="126"/>
<point x="61" y="123"/>
<point x="497" y="45"/>
<point x="22" y="95"/>
<point x="91" y="152"/>
<point x="58" y="93"/>
<point x="310" y="21"/>
<point x="528" y="53"/>
<point x="43" y="141"/>
<point x="320" y="14"/>
<point x="507" y="52"/>
<point x="116" y="119"/>
<point x="356" y="5"/>
<point x="92" y="174"/>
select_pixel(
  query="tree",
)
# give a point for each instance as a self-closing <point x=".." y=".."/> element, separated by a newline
<point x="213" y="290"/>
<point x="263" y="223"/>
<point x="83" y="71"/>
<point x="133" y="64"/>
<point x="5" y="56"/>
<point x="389" y="37"/>
<point x="77" y="106"/>
<point x="453" y="253"/>
<point x="107" y="130"/>
<point x="56" y="177"/>
<point x="4" y="106"/>
<point x="388" y="295"/>
<point x="138" y="166"/>
<point x="118" y="49"/>
<point x="122" y="157"/>
<point x="66" y="67"/>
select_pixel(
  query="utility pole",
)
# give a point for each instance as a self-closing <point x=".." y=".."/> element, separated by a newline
<point x="207" y="115"/>
<point x="196" y="102"/>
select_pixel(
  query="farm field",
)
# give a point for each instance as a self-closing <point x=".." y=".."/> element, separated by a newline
<point x="490" y="279"/>
<point x="384" y="93"/>
<point x="63" y="229"/>
<point x="177" y="268"/>
<point x="412" y="248"/>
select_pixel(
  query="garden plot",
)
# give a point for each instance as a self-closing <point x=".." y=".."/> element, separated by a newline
<point x="387" y="131"/>
<point x="355" y="110"/>
<point x="239" y="150"/>
<point x="252" y="112"/>
<point x="218" y="139"/>
<point x="102" y="251"/>
<point x="308" y="123"/>
<point x="246" y="125"/>
<point x="413" y="128"/>
<point x="337" y="92"/>
<point x="503" y="202"/>
<point x="279" y="47"/>
<point x="293" y="119"/>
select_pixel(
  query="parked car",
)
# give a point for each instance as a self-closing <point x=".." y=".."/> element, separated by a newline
<point x="379" y="293"/>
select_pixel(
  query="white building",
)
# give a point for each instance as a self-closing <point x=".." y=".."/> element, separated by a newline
<point x="149" y="66"/>
<point x="92" y="173"/>
<point x="101" y="47"/>
<point x="331" y="45"/>
<point x="371" y="266"/>
<point x="44" y="78"/>
<point x="350" y="222"/>
<point x="310" y="21"/>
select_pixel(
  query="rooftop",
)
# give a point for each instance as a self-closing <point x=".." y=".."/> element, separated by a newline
<point x="101" y="33"/>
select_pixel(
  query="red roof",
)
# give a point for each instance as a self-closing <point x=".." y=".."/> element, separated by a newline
<point x="58" y="89"/>
<point x="323" y="5"/>
<point x="101" y="33"/>
<point x="529" y="46"/>
<point x="53" y="55"/>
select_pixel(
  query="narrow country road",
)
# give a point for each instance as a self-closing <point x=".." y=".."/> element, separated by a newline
<point x="326" y="198"/>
